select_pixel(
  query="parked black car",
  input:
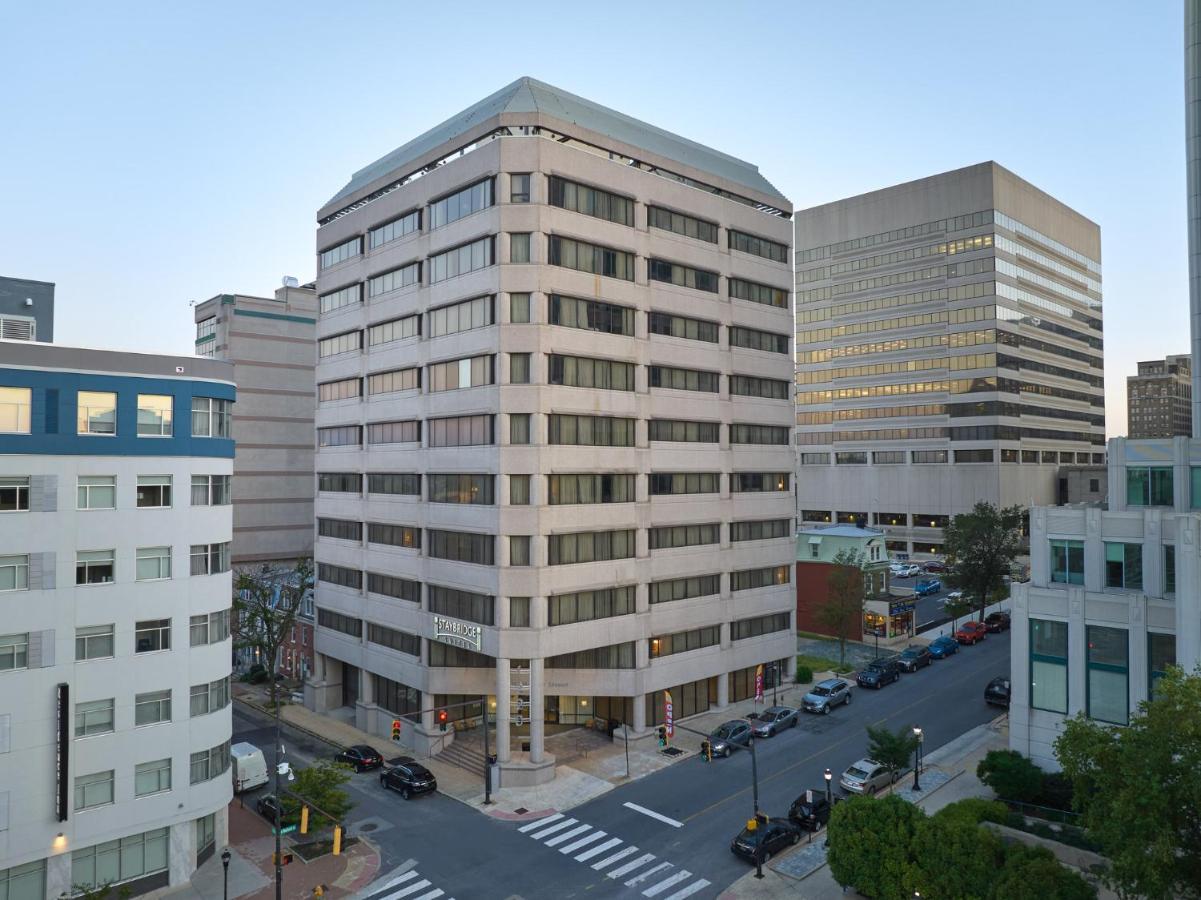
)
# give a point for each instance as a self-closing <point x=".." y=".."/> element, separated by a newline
<point x="737" y="731"/>
<point x="996" y="622"/>
<point x="361" y="757"/>
<point x="879" y="673"/>
<point x="267" y="806"/>
<point x="914" y="657"/>
<point x="768" y="838"/>
<point x="409" y="778"/>
<point x="810" y="814"/>
<point x="997" y="692"/>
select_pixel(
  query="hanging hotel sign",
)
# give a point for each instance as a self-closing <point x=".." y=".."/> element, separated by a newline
<point x="458" y="634"/>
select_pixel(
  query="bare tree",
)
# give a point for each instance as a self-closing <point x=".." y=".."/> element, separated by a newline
<point x="843" y="607"/>
<point x="266" y="602"/>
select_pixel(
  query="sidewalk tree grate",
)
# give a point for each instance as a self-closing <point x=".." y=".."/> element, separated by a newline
<point x="671" y="751"/>
<point x="521" y="811"/>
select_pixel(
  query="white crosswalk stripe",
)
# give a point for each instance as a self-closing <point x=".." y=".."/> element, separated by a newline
<point x="598" y="849"/>
<point x="408" y="885"/>
<point x="623" y="862"/>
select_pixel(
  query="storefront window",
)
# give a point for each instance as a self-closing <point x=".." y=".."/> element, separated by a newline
<point x="687" y="699"/>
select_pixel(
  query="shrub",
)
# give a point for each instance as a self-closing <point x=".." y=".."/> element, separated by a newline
<point x="1056" y="792"/>
<point x="974" y="810"/>
<point x="1033" y="873"/>
<point x="955" y="857"/>
<point x="804" y="674"/>
<point x="1011" y="775"/>
<point x="871" y="845"/>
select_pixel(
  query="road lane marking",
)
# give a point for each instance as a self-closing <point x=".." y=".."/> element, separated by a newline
<point x="586" y="839"/>
<point x="432" y="895"/>
<point x="598" y="849"/>
<point x="682" y="875"/>
<point x="411" y="889"/>
<point x="567" y="835"/>
<point x="609" y="860"/>
<point x="630" y="867"/>
<point x="689" y="891"/>
<point x="539" y="823"/>
<point x="654" y="815"/>
<point x="393" y="882"/>
<point x="539" y="835"/>
<point x="647" y="874"/>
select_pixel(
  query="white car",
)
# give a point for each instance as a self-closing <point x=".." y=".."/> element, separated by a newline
<point x="908" y="570"/>
<point x="953" y="597"/>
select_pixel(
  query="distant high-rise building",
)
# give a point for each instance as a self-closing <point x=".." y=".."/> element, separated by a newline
<point x="1159" y="398"/>
<point x="554" y="414"/>
<point x="949" y="350"/>
<point x="26" y="310"/>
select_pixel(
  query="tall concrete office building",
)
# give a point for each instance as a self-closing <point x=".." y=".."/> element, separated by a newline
<point x="1159" y="399"/>
<point x="26" y="309"/>
<point x="554" y="457"/>
<point x="115" y="528"/>
<point x="949" y="350"/>
<point x="272" y="342"/>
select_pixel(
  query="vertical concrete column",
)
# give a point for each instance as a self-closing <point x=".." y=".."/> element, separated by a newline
<point x="1152" y="553"/>
<point x="1136" y="651"/>
<point x="1040" y="549"/>
<point x="1077" y="652"/>
<point x="537" y="711"/>
<point x="503" y="703"/>
<point x="1117" y="473"/>
<point x="1019" y="667"/>
<point x="1094" y="552"/>
<point x="366" y="688"/>
<point x="1188" y="593"/>
<point x="723" y="690"/>
<point x="639" y="713"/>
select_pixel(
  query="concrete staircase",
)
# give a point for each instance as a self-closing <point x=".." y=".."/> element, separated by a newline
<point x="467" y="752"/>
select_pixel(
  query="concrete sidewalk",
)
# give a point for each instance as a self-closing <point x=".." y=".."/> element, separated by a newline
<point x="252" y="870"/>
<point x="600" y="769"/>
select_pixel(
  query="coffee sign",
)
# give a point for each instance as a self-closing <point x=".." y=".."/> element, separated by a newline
<point x="458" y="634"/>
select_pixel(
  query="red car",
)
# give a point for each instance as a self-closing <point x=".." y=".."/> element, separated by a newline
<point x="971" y="633"/>
<point x="936" y="567"/>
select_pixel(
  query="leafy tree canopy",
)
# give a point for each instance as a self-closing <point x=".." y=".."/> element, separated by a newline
<point x="981" y="547"/>
<point x="891" y="749"/>
<point x="842" y="610"/>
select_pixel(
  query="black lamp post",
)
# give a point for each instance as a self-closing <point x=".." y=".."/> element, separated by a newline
<point x="917" y="758"/>
<point x="225" y="865"/>
<point x="829" y="790"/>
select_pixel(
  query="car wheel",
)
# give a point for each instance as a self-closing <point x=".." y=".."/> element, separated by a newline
<point x="726" y="753"/>
<point x="404" y="793"/>
<point x="767" y="856"/>
<point x="871" y="789"/>
<point x="847" y="701"/>
<point x="826" y="710"/>
<point x="796" y="838"/>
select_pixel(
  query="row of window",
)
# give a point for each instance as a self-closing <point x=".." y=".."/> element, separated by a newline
<point x="1123" y="564"/>
<point x="100" y="492"/>
<point x="96" y="717"/>
<point x="99" y="788"/>
<point x="562" y="429"/>
<point x="96" y="414"/>
<point x="99" y="566"/>
<point x="925" y="457"/>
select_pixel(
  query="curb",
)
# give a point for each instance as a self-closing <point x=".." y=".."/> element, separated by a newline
<point x="267" y="711"/>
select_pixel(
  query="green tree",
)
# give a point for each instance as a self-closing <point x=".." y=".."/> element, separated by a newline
<point x="266" y="602"/>
<point x="974" y="810"/>
<point x="1139" y="790"/>
<point x="955" y="857"/>
<point x="981" y="547"/>
<point x="1033" y="873"/>
<point x="320" y="785"/>
<point x="842" y="609"/>
<point x="956" y="609"/>
<point x="1011" y="775"/>
<point x="871" y="845"/>
<point x="891" y="749"/>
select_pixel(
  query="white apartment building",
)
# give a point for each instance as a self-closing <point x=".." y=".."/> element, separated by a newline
<point x="1114" y="596"/>
<point x="554" y="407"/>
<point x="115" y="590"/>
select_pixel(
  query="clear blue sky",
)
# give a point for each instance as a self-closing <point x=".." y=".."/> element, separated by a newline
<point x="156" y="153"/>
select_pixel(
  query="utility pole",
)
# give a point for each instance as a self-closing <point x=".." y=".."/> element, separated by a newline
<point x="625" y="733"/>
<point x="487" y="756"/>
<point x="279" y="801"/>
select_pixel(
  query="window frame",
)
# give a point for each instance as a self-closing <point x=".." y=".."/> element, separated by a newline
<point x="85" y="418"/>
<point x="165" y="425"/>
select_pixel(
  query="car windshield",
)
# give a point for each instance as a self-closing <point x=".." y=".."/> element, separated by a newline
<point x="820" y="691"/>
<point x="750" y="837"/>
<point x="856" y="772"/>
<point x="909" y="654"/>
<point x="724" y="732"/>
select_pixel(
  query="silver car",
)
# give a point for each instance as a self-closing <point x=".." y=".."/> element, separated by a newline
<point x="865" y="777"/>
<point x="773" y="720"/>
<point x="826" y="695"/>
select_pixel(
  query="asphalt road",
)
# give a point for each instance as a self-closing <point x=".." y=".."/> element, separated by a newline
<point x="687" y="814"/>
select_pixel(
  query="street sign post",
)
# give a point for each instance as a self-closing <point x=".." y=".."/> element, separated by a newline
<point x="287" y="829"/>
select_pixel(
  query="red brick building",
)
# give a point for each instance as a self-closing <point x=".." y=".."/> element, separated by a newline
<point x="816" y="550"/>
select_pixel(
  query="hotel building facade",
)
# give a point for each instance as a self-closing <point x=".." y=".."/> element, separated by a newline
<point x="554" y="411"/>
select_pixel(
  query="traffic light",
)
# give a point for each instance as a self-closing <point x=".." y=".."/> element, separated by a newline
<point x="761" y="818"/>
<point x="707" y="750"/>
<point x="396" y="729"/>
<point x="304" y="820"/>
<point x="443" y="718"/>
<point x="662" y="732"/>
<point x="337" y="839"/>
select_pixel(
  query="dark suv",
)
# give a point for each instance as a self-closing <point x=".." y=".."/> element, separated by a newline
<point x="409" y="778"/>
<point x="996" y="622"/>
<point x="914" y="657"/>
<point x="879" y="673"/>
<point x="811" y="810"/>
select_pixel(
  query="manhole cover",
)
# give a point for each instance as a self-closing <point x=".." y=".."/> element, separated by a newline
<point x="671" y="751"/>
<point x="521" y="810"/>
<point x="367" y="827"/>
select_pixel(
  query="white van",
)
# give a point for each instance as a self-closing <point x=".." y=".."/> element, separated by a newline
<point x="249" y="767"/>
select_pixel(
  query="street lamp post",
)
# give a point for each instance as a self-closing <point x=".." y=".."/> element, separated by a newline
<point x="917" y="758"/>
<point x="829" y="790"/>
<point x="225" y="865"/>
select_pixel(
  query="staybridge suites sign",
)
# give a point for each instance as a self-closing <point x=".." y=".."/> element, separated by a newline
<point x="459" y="634"/>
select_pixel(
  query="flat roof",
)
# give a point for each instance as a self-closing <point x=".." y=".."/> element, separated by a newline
<point x="528" y="95"/>
<point x="37" y="355"/>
